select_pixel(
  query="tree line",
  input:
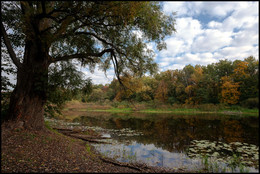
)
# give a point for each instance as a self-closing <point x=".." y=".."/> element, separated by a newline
<point x="228" y="82"/>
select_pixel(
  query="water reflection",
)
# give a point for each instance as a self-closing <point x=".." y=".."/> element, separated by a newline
<point x="149" y="154"/>
<point x="163" y="140"/>
<point x="174" y="132"/>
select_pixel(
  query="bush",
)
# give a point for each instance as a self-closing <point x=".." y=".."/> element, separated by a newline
<point x="250" y="103"/>
<point x="176" y="106"/>
<point x="83" y="100"/>
<point x="207" y="107"/>
<point x="115" y="104"/>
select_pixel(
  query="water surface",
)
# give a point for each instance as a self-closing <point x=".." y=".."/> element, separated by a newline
<point x="171" y="140"/>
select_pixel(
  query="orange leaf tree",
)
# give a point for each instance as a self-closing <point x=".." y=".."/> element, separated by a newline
<point x="229" y="90"/>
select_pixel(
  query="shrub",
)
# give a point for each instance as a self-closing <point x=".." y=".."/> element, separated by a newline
<point x="207" y="107"/>
<point x="250" y="103"/>
<point x="176" y="106"/>
<point x="115" y="104"/>
<point x="83" y="100"/>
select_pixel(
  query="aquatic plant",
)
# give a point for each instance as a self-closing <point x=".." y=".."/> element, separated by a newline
<point x="235" y="155"/>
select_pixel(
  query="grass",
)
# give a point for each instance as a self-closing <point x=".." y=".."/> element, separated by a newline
<point x="214" y="167"/>
<point x="245" y="112"/>
<point x="179" y="110"/>
<point x="112" y="110"/>
<point x="162" y="109"/>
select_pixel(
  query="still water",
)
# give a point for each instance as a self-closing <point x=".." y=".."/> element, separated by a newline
<point x="178" y="141"/>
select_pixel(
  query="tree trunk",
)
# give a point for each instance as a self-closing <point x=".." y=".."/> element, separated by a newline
<point x="29" y="96"/>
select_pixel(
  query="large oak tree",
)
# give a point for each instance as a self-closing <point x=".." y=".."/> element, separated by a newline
<point x="93" y="33"/>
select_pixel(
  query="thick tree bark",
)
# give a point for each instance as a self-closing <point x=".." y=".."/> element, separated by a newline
<point x="29" y="96"/>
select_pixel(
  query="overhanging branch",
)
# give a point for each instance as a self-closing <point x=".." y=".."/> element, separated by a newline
<point x="100" y="39"/>
<point x="9" y="47"/>
<point x="82" y="55"/>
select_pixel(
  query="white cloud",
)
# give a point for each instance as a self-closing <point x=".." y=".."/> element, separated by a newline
<point x="191" y="8"/>
<point x="231" y="32"/>
<point x="214" y="25"/>
<point x="211" y="40"/>
<point x="176" y="6"/>
<point x="174" y="46"/>
<point x="173" y="67"/>
<point x="98" y="77"/>
<point x="187" y="28"/>
<point x="244" y="16"/>
<point x="232" y="53"/>
<point x="243" y="38"/>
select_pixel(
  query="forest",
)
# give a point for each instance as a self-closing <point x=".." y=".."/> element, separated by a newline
<point x="225" y="82"/>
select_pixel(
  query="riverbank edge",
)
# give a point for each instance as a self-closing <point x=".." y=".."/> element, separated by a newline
<point x="171" y="111"/>
<point x="124" y="107"/>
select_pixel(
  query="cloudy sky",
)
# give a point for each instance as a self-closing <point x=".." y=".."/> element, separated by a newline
<point x="206" y="33"/>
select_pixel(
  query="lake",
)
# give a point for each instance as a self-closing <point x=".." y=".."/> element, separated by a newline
<point x="178" y="141"/>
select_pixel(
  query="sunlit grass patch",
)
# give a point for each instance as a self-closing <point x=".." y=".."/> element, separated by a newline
<point x="179" y="111"/>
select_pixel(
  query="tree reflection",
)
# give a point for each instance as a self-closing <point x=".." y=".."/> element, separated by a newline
<point x="174" y="133"/>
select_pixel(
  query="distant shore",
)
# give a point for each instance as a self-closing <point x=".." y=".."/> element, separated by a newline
<point x="159" y="109"/>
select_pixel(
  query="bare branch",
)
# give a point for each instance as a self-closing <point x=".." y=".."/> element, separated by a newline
<point x="9" y="47"/>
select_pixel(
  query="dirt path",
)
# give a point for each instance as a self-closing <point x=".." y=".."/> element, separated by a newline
<point x="48" y="151"/>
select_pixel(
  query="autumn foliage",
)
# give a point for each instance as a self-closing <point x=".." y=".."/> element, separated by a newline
<point x="224" y="82"/>
<point x="229" y="92"/>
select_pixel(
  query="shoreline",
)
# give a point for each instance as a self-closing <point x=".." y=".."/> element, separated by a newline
<point x="26" y="151"/>
<point x="159" y="109"/>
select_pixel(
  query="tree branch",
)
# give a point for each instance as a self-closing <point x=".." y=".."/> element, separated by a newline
<point x="83" y="55"/>
<point x="9" y="47"/>
<point x="43" y="7"/>
<point x="100" y="39"/>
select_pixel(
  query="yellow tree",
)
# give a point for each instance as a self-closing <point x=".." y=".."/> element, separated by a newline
<point x="161" y="93"/>
<point x="240" y="71"/>
<point x="195" y="78"/>
<point x="229" y="90"/>
<point x="131" y="86"/>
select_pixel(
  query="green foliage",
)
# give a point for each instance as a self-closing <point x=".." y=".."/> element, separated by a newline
<point x="47" y="125"/>
<point x="88" y="149"/>
<point x="97" y="95"/>
<point x="115" y="104"/>
<point x="65" y="83"/>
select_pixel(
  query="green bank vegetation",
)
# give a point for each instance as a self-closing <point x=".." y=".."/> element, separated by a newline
<point x="159" y="108"/>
